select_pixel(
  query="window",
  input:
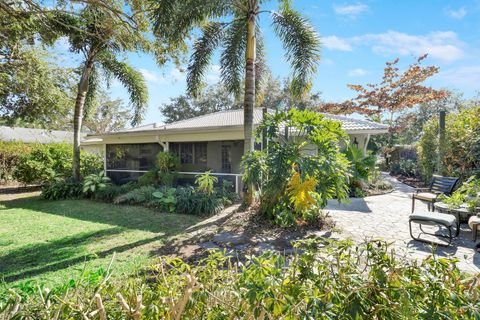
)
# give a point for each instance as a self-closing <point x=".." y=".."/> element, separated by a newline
<point x="190" y="152"/>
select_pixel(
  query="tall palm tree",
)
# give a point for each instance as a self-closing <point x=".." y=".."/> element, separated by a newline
<point x="233" y="26"/>
<point x="100" y="37"/>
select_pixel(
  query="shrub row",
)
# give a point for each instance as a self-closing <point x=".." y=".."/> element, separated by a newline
<point x="333" y="281"/>
<point x="41" y="163"/>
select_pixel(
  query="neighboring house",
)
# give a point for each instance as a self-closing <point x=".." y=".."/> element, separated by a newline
<point x="29" y="135"/>
<point x="209" y="142"/>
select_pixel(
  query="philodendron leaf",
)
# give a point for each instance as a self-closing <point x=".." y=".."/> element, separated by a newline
<point x="158" y="194"/>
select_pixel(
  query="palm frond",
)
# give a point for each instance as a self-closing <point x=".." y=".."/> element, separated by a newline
<point x="302" y="45"/>
<point x="173" y="20"/>
<point x="202" y="54"/>
<point x="132" y="80"/>
<point x="233" y="56"/>
<point x="261" y="69"/>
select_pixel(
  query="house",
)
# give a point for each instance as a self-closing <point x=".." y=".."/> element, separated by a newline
<point x="209" y="142"/>
<point x="31" y="135"/>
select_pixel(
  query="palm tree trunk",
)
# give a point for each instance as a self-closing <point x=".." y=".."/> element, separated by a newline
<point x="249" y="99"/>
<point x="78" y="114"/>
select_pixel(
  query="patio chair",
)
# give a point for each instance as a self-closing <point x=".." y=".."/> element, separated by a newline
<point x="440" y="220"/>
<point x="439" y="185"/>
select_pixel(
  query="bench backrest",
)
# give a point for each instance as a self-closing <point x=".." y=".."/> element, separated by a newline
<point x="443" y="185"/>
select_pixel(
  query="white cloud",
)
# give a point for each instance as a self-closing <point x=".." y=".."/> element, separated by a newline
<point x="462" y="77"/>
<point x="456" y="14"/>
<point x="358" y="72"/>
<point x="350" y="10"/>
<point x="150" y="76"/>
<point x="336" y="43"/>
<point x="441" y="45"/>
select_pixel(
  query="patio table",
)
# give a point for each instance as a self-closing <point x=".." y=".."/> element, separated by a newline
<point x="463" y="214"/>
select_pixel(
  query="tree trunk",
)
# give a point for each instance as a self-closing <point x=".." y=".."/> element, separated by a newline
<point x="78" y="115"/>
<point x="249" y="99"/>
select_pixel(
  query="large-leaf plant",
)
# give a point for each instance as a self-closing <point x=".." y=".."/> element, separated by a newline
<point x="302" y="159"/>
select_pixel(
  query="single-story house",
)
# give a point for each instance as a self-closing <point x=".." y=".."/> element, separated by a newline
<point x="209" y="142"/>
<point x="32" y="135"/>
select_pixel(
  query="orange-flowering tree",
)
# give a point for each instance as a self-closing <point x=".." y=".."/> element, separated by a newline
<point x="397" y="91"/>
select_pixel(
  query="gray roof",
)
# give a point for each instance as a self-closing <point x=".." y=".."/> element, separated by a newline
<point x="29" y="135"/>
<point x="234" y="118"/>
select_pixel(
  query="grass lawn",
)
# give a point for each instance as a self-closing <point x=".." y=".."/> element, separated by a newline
<point x="53" y="241"/>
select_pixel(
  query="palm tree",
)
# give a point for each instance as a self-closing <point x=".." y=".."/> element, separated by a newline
<point x="100" y="37"/>
<point x="233" y="26"/>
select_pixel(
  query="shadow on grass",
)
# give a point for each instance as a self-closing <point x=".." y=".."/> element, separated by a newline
<point x="62" y="253"/>
<point x="129" y="217"/>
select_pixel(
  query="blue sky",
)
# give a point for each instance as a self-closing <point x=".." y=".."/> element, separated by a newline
<point x="357" y="39"/>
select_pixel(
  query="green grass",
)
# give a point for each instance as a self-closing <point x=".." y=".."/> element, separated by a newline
<point x="53" y="241"/>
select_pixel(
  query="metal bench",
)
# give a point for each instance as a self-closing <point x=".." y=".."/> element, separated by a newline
<point x="439" y="185"/>
<point x="440" y="220"/>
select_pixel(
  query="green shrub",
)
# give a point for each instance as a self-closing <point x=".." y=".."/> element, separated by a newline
<point x="141" y="195"/>
<point x="406" y="167"/>
<point x="362" y="168"/>
<point x="462" y="145"/>
<point x="191" y="202"/>
<point x="467" y="194"/>
<point x="95" y="182"/>
<point x="49" y="161"/>
<point x="331" y="280"/>
<point x="149" y="178"/>
<point x="62" y="189"/>
<point x="112" y="191"/>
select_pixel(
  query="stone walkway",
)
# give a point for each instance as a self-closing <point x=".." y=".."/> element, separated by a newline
<point x="386" y="217"/>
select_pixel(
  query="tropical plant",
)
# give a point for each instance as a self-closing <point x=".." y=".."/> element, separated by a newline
<point x="95" y="182"/>
<point x="206" y="182"/>
<point x="189" y="201"/>
<point x="233" y="25"/>
<point x="468" y="195"/>
<point x="321" y="176"/>
<point x="141" y="195"/>
<point x="111" y="191"/>
<point x="166" y="198"/>
<point x="362" y="166"/>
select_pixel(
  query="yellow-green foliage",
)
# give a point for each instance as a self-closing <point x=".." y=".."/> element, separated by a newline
<point x="10" y="153"/>
<point x="462" y="145"/>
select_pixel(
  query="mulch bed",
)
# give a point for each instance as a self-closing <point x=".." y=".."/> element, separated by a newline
<point x="13" y="187"/>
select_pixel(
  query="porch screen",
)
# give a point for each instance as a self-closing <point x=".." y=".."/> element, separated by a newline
<point x="129" y="161"/>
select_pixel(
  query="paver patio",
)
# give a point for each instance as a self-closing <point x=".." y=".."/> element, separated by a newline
<point x="386" y="216"/>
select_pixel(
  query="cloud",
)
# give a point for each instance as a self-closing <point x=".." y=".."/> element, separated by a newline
<point x="462" y="77"/>
<point x="350" y="10"/>
<point x="456" y="14"/>
<point x="358" y="72"/>
<point x="336" y="43"/>
<point x="440" y="45"/>
<point x="150" y="76"/>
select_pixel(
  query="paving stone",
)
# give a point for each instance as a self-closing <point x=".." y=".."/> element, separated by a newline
<point x="386" y="216"/>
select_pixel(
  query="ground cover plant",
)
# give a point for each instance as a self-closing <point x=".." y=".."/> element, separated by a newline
<point x="328" y="280"/>
<point x="55" y="239"/>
